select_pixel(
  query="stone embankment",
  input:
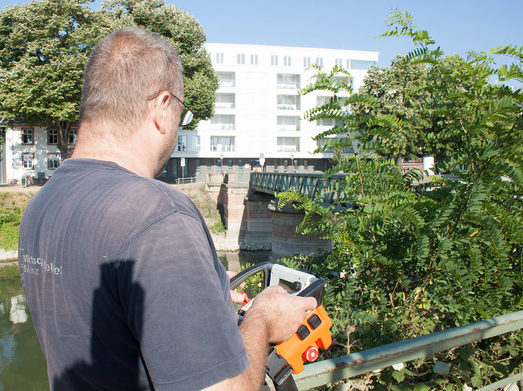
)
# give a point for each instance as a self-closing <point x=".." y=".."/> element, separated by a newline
<point x="8" y="257"/>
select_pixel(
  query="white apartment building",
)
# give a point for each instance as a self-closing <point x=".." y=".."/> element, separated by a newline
<point x="259" y="117"/>
<point x="259" y="112"/>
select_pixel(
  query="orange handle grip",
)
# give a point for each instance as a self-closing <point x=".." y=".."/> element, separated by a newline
<point x="313" y="333"/>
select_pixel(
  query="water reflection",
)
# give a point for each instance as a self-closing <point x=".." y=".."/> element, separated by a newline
<point x="22" y="364"/>
<point x="18" y="313"/>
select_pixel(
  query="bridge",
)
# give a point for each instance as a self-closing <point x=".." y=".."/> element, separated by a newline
<point x="326" y="190"/>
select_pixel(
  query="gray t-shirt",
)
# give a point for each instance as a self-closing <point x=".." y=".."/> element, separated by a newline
<point x="124" y="285"/>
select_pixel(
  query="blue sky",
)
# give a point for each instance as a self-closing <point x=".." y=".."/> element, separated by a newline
<point x="457" y="25"/>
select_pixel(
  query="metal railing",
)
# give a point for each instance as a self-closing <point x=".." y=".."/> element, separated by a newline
<point x="329" y="371"/>
<point x="311" y="184"/>
<point x="182" y="181"/>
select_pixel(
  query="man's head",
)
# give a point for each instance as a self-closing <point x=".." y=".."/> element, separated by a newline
<point x="125" y="71"/>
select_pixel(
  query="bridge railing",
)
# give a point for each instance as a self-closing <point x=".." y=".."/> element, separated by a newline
<point x="330" y="371"/>
<point x="327" y="190"/>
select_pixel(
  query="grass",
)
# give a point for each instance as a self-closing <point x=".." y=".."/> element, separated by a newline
<point x="218" y="227"/>
<point x="12" y="206"/>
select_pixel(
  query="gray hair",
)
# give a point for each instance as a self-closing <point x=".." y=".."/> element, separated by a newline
<point x="125" y="70"/>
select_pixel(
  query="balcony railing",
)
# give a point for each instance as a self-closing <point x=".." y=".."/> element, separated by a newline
<point x="287" y="107"/>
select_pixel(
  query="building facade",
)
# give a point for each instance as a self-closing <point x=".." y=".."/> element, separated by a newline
<point x="259" y="113"/>
<point x="258" y="122"/>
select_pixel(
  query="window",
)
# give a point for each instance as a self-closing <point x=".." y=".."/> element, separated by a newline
<point x="240" y="58"/>
<point x="52" y="136"/>
<point x="306" y="62"/>
<point x="254" y="59"/>
<point x="197" y="143"/>
<point x="219" y="58"/>
<point x="72" y="136"/>
<point x="319" y="61"/>
<point x="321" y="100"/>
<point x="229" y="164"/>
<point x="328" y="122"/>
<point x="227" y="79"/>
<point x="53" y="161"/>
<point x="274" y="60"/>
<point x="198" y="167"/>
<point x="287" y="61"/>
<point x="329" y="143"/>
<point x="362" y="64"/>
<point x="222" y="143"/>
<point x="222" y="122"/>
<point x="286" y="122"/>
<point x="182" y="143"/>
<point x="288" y="102"/>
<point x="342" y="79"/>
<point x="27" y="136"/>
<point x="285" y="80"/>
<point x="224" y="101"/>
<point x="27" y="160"/>
<point x="288" y="144"/>
<point x="339" y="62"/>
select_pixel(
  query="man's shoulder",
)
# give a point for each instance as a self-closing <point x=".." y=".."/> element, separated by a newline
<point x="106" y="183"/>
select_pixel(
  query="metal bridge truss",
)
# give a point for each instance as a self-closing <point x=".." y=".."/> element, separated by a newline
<point x="325" y="190"/>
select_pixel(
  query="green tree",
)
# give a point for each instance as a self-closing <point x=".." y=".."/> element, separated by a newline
<point x="44" y="46"/>
<point x="398" y="90"/>
<point x="411" y="258"/>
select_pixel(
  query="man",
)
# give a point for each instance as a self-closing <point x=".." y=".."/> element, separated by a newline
<point x="120" y="272"/>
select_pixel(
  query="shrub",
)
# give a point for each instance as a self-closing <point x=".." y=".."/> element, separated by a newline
<point x="414" y="255"/>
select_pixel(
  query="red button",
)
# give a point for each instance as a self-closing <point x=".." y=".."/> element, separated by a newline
<point x="311" y="354"/>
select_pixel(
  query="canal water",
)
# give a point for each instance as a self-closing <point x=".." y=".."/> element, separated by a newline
<point x="22" y="363"/>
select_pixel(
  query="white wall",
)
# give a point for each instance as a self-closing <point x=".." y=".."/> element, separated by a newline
<point x="256" y="92"/>
<point x="15" y="149"/>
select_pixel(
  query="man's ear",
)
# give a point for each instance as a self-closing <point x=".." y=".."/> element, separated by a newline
<point x="161" y="104"/>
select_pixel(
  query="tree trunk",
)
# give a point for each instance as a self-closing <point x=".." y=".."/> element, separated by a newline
<point x="64" y="127"/>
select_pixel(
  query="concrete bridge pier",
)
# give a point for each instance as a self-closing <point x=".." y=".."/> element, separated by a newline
<point x="254" y="222"/>
<point x="285" y="240"/>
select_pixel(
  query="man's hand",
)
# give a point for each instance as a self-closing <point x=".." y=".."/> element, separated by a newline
<point x="273" y="317"/>
<point x="236" y="296"/>
<point x="282" y="313"/>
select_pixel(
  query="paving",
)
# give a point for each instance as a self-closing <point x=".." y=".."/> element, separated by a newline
<point x="19" y="189"/>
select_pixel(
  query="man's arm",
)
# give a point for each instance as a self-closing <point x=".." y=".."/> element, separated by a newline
<point x="273" y="317"/>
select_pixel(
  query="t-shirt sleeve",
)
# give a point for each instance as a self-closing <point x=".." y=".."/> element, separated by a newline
<point x="178" y="308"/>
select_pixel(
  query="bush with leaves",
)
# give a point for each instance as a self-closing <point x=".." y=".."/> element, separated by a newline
<point x="413" y="255"/>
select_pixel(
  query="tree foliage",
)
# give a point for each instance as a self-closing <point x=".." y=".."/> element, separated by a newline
<point x="43" y="50"/>
<point x="44" y="46"/>
<point x="413" y="256"/>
